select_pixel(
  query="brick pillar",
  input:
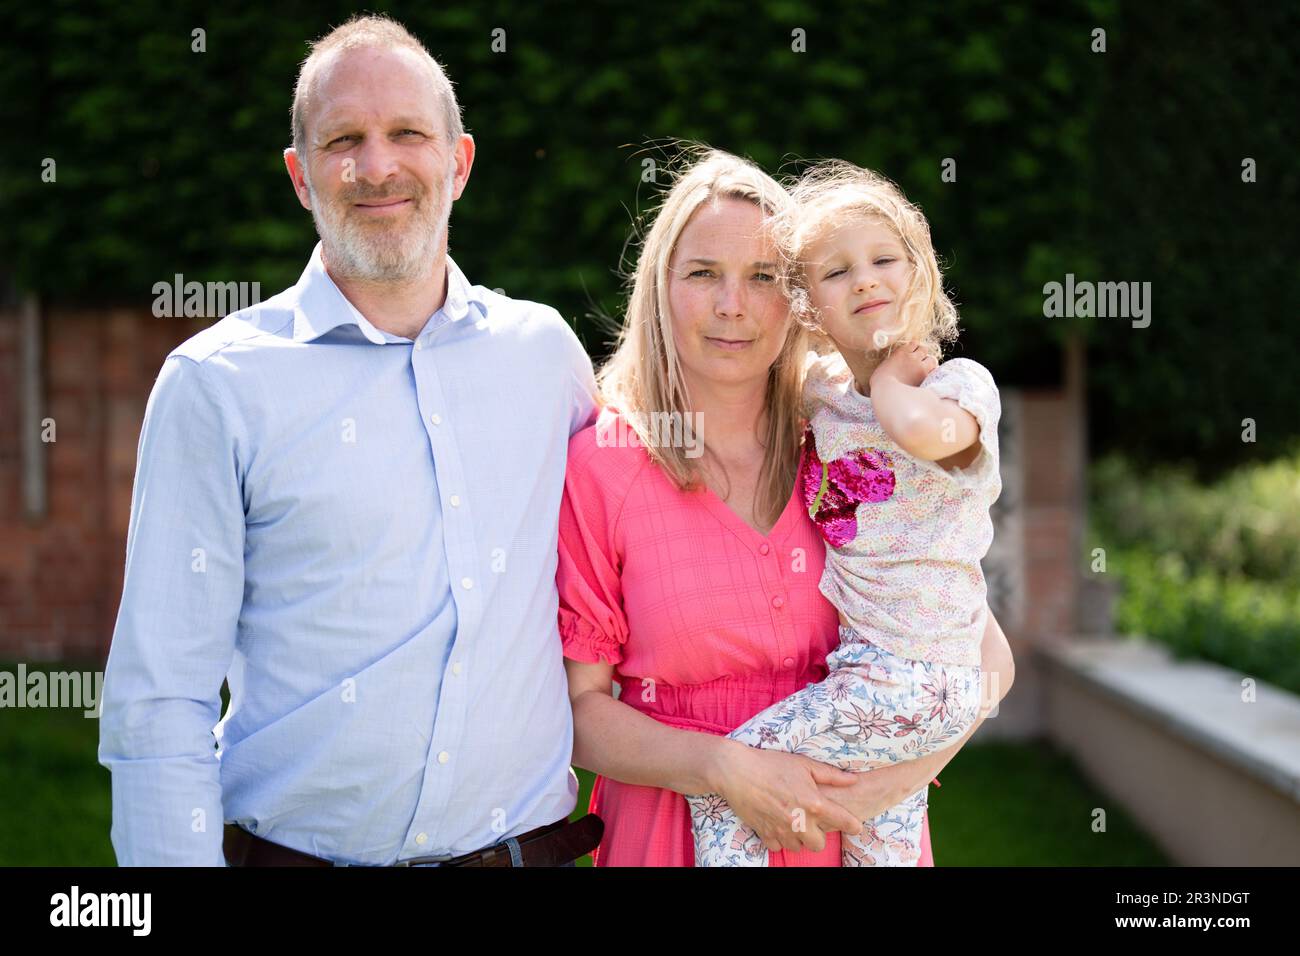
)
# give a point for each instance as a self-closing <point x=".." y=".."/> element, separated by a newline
<point x="61" y="575"/>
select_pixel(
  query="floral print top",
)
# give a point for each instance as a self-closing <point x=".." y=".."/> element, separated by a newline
<point x="904" y="536"/>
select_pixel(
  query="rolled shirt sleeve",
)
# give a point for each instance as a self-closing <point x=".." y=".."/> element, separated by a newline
<point x="971" y="386"/>
<point x="176" y="626"/>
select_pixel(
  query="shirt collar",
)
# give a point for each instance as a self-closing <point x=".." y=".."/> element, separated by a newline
<point x="322" y="306"/>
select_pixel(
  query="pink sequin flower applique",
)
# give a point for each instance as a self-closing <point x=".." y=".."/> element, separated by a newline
<point x="833" y="490"/>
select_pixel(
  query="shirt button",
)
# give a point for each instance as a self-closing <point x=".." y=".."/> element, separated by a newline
<point x="763" y="548"/>
<point x="436" y="419"/>
<point x="455" y="501"/>
<point x="422" y="838"/>
<point x="455" y="668"/>
<point x="466" y="583"/>
<point x="419" y="344"/>
<point x="444" y="757"/>
<point x="788" y="662"/>
<point x="778" y="601"/>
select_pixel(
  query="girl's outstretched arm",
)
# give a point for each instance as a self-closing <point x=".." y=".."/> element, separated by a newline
<point x="922" y="423"/>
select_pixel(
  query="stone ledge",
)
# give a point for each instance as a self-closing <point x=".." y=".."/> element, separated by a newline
<point x="1196" y="701"/>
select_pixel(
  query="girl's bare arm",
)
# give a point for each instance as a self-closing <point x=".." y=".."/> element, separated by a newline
<point x="921" y="422"/>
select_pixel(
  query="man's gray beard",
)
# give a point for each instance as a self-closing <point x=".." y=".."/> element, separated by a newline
<point x="391" y="256"/>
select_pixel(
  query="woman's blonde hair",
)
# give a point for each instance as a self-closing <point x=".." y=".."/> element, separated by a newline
<point x="835" y="193"/>
<point x="643" y="376"/>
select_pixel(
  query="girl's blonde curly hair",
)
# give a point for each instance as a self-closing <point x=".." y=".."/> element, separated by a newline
<point x="835" y="193"/>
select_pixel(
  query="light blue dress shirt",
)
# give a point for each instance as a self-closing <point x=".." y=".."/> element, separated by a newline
<point x="359" y="532"/>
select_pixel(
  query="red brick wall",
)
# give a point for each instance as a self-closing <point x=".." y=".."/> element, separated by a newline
<point x="61" y="575"/>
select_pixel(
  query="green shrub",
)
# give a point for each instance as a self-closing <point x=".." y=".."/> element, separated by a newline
<point x="1212" y="571"/>
<point x="1246" y="524"/>
<point x="1250" y="626"/>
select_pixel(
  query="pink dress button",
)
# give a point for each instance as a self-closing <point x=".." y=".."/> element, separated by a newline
<point x="764" y="548"/>
<point x="778" y="601"/>
<point x="788" y="662"/>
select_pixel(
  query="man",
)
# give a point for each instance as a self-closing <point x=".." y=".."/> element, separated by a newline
<point x="346" y="504"/>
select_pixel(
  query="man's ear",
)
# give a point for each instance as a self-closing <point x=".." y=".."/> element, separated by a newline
<point x="298" y="175"/>
<point x="464" y="162"/>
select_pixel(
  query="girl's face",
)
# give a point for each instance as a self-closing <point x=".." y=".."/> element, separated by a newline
<point x="729" y="317"/>
<point x="857" y="278"/>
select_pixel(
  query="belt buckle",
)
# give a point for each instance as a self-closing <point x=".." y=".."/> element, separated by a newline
<point x="449" y="860"/>
<point x="484" y="855"/>
<point x="510" y="846"/>
<point x="421" y="860"/>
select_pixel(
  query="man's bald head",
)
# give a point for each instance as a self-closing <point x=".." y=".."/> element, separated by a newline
<point x="372" y="31"/>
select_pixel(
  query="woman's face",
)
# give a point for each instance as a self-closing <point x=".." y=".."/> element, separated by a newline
<point x="857" y="278"/>
<point x="729" y="317"/>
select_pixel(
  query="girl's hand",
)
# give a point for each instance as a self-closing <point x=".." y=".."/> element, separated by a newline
<point x="766" y="787"/>
<point x="908" y="363"/>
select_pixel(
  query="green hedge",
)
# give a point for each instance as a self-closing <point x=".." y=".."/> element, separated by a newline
<point x="1121" y="165"/>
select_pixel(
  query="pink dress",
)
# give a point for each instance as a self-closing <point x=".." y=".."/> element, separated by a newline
<point x="706" y="621"/>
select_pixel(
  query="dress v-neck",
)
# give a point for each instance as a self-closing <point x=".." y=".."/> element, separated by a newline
<point x="743" y="529"/>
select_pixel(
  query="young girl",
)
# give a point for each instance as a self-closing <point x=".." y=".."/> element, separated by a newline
<point x="899" y="468"/>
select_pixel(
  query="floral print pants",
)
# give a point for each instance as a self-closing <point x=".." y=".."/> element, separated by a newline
<point x="872" y="710"/>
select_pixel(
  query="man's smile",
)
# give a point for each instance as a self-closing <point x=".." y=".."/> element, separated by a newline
<point x="380" y="207"/>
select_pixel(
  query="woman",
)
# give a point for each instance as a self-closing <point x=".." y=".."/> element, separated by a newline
<point x="692" y="578"/>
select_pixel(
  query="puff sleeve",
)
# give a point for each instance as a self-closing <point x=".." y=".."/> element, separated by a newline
<point x="971" y="386"/>
<point x="593" y="626"/>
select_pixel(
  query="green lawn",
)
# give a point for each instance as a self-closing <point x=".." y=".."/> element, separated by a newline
<point x="1014" y="804"/>
<point x="1000" y="804"/>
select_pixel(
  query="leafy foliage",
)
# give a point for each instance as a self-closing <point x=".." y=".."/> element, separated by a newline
<point x="1213" y="571"/>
